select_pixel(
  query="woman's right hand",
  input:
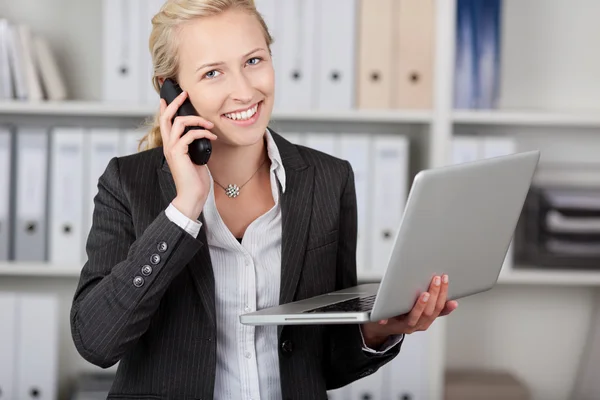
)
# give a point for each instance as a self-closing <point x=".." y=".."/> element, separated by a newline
<point x="191" y="180"/>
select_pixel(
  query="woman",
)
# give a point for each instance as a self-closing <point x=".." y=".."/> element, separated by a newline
<point x="173" y="260"/>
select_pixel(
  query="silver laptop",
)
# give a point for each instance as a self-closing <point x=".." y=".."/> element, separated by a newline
<point x="458" y="220"/>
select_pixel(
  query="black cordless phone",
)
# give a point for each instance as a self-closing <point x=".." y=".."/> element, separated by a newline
<point x="200" y="149"/>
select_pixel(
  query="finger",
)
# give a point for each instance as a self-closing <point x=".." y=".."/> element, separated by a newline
<point x="182" y="146"/>
<point x="164" y="124"/>
<point x="169" y="113"/>
<point x="172" y="108"/>
<point x="443" y="296"/>
<point x="450" y="306"/>
<point x="415" y="314"/>
<point x="434" y="289"/>
<point x="189" y="120"/>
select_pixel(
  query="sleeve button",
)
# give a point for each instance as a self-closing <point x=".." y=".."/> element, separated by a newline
<point x="155" y="259"/>
<point x="146" y="270"/>
<point x="162" y="247"/>
<point x="138" y="281"/>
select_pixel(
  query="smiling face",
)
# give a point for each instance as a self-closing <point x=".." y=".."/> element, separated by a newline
<point x="226" y="68"/>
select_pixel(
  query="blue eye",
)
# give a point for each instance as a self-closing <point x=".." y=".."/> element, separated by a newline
<point x="211" y="74"/>
<point x="258" y="59"/>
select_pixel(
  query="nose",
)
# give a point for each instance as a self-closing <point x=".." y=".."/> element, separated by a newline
<point x="242" y="91"/>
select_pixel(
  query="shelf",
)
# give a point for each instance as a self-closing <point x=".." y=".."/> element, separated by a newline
<point x="534" y="276"/>
<point x="38" y="270"/>
<point x="524" y="276"/>
<point x="101" y="109"/>
<point x="524" y="118"/>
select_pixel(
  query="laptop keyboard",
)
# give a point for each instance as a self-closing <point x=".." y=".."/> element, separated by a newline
<point x="357" y="304"/>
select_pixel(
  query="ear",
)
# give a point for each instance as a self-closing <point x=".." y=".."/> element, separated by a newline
<point x="161" y="80"/>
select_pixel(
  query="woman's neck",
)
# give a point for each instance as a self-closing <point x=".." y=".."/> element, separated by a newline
<point x="235" y="165"/>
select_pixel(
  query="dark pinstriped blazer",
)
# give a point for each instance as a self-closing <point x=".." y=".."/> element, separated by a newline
<point x="146" y="294"/>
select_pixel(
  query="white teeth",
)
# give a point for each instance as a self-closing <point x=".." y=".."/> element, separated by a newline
<point x="244" y="115"/>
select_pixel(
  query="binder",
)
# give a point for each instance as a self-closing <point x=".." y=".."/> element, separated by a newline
<point x="375" y="48"/>
<point x="356" y="149"/>
<point x="121" y="51"/>
<point x="31" y="190"/>
<point x="295" y="69"/>
<point x="415" y="22"/>
<point x="294" y="137"/>
<point x="102" y="144"/>
<point x="388" y="197"/>
<point x="488" y="52"/>
<point x="336" y="43"/>
<point x="324" y="142"/>
<point x="409" y="373"/>
<point x="466" y="71"/>
<point x="6" y="85"/>
<point x="30" y="70"/>
<point x="466" y="149"/>
<point x="129" y="141"/>
<point x="37" y="347"/>
<point x="8" y="351"/>
<point x="148" y="9"/>
<point x="66" y="194"/>
<point x="5" y="192"/>
<point x="17" y="62"/>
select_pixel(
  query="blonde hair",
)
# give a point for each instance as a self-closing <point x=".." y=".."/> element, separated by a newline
<point x="163" y="44"/>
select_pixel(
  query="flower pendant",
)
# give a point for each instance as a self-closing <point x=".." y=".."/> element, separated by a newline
<point x="232" y="190"/>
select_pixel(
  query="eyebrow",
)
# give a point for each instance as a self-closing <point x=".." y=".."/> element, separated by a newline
<point x="214" y="64"/>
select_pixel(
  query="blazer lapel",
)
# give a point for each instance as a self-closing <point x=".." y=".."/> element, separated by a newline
<point x="200" y="266"/>
<point x="296" y="206"/>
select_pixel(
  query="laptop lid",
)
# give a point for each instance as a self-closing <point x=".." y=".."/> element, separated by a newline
<point x="458" y="220"/>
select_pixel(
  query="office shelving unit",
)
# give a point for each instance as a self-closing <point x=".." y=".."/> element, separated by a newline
<point x="550" y="100"/>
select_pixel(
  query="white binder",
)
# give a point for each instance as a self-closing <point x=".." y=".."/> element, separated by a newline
<point x="356" y="149"/>
<point x="325" y="142"/>
<point x="66" y="196"/>
<point x="294" y="137"/>
<point x="6" y="85"/>
<point x="408" y="374"/>
<point x="37" y="347"/>
<point x="148" y="9"/>
<point x="34" y="85"/>
<point x="31" y="188"/>
<point x="466" y="149"/>
<point x="295" y="75"/>
<point x="336" y="44"/>
<point x="122" y="67"/>
<point x="102" y="144"/>
<point x="129" y="141"/>
<point x="5" y="191"/>
<point x="16" y="62"/>
<point x="8" y="351"/>
<point x="494" y="146"/>
<point x="390" y="179"/>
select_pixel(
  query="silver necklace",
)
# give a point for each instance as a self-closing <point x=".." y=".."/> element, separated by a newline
<point x="232" y="190"/>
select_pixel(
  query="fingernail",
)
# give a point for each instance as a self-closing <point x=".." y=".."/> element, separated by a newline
<point x="383" y="322"/>
<point x="445" y="278"/>
<point x="425" y="297"/>
<point x="436" y="281"/>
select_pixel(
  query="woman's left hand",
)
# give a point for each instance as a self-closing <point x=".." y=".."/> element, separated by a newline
<point x="429" y="306"/>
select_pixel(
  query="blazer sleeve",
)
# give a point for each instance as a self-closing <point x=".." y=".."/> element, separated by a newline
<point x="114" y="300"/>
<point x="347" y="360"/>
